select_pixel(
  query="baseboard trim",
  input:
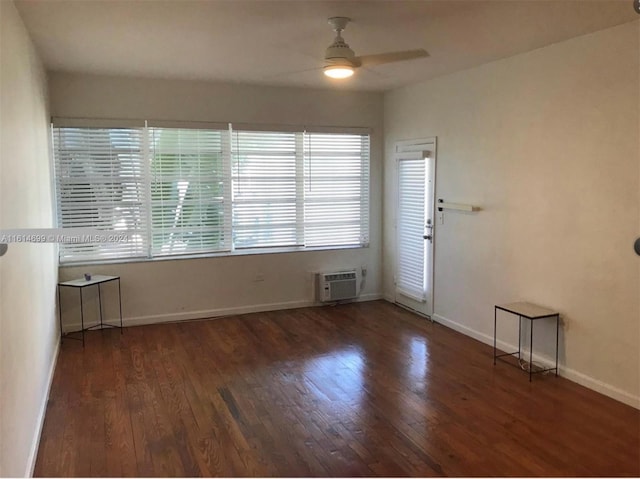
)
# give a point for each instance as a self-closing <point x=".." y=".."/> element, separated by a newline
<point x="369" y="297"/>
<point x="213" y="313"/>
<point x="568" y="373"/>
<point x="216" y="313"/>
<point x="33" y="453"/>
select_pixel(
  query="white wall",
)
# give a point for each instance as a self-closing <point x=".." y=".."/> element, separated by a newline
<point x="547" y="143"/>
<point x="28" y="272"/>
<point x="182" y="289"/>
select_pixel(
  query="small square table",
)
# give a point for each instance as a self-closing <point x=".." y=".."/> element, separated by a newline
<point x="531" y="312"/>
<point x="80" y="284"/>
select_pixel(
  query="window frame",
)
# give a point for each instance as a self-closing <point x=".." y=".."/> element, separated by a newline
<point x="209" y="145"/>
<point x="111" y="184"/>
<point x="232" y="129"/>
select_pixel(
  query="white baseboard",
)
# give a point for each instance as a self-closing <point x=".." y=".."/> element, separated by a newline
<point x="33" y="453"/>
<point x="571" y="374"/>
<point x="369" y="297"/>
<point x="214" y="313"/>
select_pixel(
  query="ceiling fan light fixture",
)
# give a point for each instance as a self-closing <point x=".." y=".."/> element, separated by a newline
<point x="338" y="71"/>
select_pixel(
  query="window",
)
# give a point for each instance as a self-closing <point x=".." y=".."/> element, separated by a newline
<point x="336" y="184"/>
<point x="100" y="184"/>
<point x="179" y="191"/>
<point x="187" y="171"/>
<point x="267" y="189"/>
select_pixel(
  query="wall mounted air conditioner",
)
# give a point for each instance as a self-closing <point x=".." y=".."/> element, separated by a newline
<point x="337" y="286"/>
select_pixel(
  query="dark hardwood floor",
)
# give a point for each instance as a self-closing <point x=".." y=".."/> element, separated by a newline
<point x="361" y="389"/>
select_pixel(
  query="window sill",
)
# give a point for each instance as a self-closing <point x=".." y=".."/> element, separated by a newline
<point x="222" y="254"/>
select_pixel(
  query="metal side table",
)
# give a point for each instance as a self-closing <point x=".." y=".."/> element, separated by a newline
<point x="80" y="284"/>
<point x="531" y="312"/>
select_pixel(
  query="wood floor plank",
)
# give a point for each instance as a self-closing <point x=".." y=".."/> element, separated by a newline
<point x="354" y="390"/>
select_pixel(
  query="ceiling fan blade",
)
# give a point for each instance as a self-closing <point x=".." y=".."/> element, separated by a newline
<point x="390" y="57"/>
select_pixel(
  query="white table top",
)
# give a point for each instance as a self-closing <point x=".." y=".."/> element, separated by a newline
<point x="527" y="310"/>
<point x="95" y="279"/>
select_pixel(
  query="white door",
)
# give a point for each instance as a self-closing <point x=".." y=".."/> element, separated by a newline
<point x="415" y="227"/>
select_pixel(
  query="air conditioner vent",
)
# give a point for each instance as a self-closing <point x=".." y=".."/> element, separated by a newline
<point x="337" y="286"/>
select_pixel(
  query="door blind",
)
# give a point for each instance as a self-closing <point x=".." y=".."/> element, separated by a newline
<point x="410" y="276"/>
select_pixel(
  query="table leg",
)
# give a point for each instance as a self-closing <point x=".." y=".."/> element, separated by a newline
<point x="120" y="304"/>
<point x="81" y="316"/>
<point x="519" y="335"/>
<point x="557" y="331"/>
<point x="531" y="351"/>
<point x="495" y="332"/>
<point x="60" y="313"/>
<point x="100" y="305"/>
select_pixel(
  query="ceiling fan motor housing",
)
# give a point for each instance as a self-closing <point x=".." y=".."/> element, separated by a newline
<point x="339" y="52"/>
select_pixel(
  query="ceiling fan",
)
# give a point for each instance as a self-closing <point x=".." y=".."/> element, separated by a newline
<point x="341" y="61"/>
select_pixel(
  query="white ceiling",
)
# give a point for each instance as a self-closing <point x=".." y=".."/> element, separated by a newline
<point x="261" y="41"/>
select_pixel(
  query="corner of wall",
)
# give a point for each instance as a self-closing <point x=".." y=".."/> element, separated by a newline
<point x="29" y="339"/>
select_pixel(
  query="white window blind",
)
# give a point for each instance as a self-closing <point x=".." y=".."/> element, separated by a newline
<point x="179" y="190"/>
<point x="410" y="275"/>
<point x="100" y="185"/>
<point x="336" y="207"/>
<point x="267" y="189"/>
<point x="189" y="182"/>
